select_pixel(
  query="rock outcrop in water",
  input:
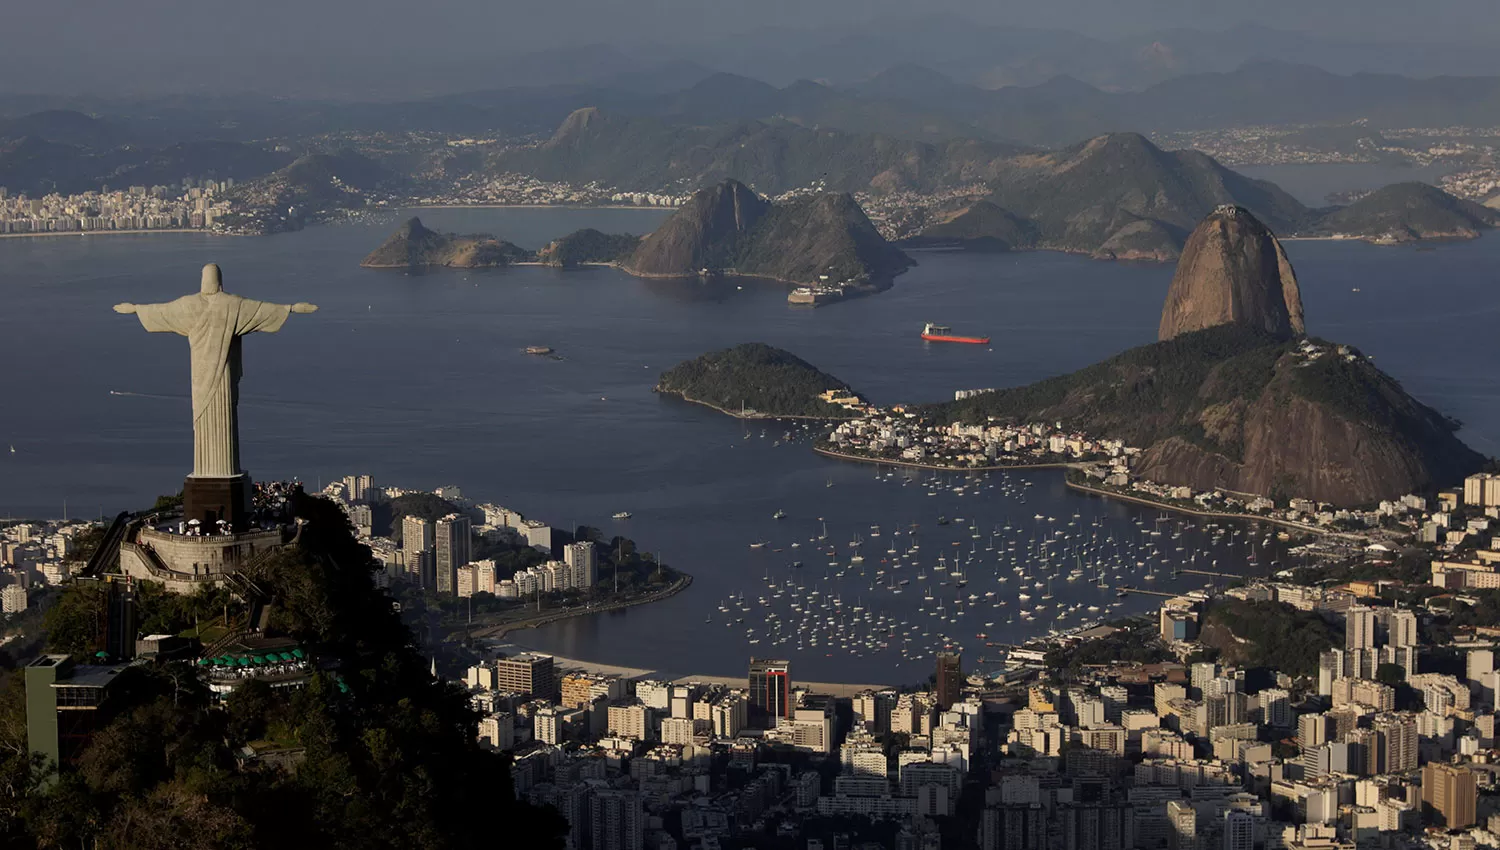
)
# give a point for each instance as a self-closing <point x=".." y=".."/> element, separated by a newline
<point x="730" y="229"/>
<point x="414" y="246"/>
<point x="1233" y="271"/>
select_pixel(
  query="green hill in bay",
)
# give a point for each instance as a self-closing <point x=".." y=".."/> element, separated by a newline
<point x="762" y="380"/>
<point x="588" y="246"/>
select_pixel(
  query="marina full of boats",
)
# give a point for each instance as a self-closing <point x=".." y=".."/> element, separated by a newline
<point x="982" y="581"/>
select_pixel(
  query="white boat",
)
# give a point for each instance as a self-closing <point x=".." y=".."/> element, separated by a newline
<point x="780" y="514"/>
<point x="622" y="515"/>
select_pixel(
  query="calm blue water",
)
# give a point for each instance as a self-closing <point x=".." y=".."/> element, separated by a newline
<point x="419" y="380"/>
<point x="1312" y="184"/>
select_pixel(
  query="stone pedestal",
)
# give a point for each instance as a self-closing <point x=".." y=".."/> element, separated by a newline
<point x="209" y="500"/>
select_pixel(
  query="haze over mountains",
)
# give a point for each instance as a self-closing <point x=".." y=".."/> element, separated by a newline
<point x="431" y="56"/>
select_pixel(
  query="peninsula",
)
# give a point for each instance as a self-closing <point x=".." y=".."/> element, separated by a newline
<point x="759" y="381"/>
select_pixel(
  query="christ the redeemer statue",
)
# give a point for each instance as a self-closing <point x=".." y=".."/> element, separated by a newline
<point x="213" y="321"/>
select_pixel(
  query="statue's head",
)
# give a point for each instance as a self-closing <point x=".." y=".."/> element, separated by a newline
<point x="212" y="280"/>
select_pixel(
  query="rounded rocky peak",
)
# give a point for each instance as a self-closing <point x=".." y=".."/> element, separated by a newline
<point x="1233" y="270"/>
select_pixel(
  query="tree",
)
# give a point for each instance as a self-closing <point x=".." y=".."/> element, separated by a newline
<point x="1390" y="674"/>
<point x="75" y="625"/>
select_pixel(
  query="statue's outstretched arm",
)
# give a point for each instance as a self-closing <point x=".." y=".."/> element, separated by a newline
<point x="304" y="307"/>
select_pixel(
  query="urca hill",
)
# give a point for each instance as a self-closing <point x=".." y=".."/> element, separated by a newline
<point x="729" y="229"/>
<point x="1235" y="397"/>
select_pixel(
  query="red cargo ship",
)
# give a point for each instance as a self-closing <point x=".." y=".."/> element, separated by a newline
<point x="943" y="333"/>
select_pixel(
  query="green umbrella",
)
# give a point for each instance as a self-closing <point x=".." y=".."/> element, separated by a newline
<point x="243" y="661"/>
<point x="202" y="662"/>
<point x="287" y="656"/>
<point x="297" y="652"/>
<point x="259" y="659"/>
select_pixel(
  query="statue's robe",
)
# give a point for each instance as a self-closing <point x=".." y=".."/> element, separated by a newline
<point x="213" y="324"/>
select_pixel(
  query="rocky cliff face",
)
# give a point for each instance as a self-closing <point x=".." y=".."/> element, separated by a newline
<point x="705" y="233"/>
<point x="1233" y="271"/>
<point x="1300" y="439"/>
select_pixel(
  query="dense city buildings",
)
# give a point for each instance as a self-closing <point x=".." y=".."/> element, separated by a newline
<point x="192" y="205"/>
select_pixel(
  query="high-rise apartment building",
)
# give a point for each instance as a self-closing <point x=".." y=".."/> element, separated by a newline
<point x="1449" y="795"/>
<point x="950" y="679"/>
<point x="527" y="674"/>
<point x="1239" y="830"/>
<point x="1276" y="708"/>
<point x="616" y="821"/>
<point x="1403" y="628"/>
<point x="771" y="689"/>
<point x="1359" y="628"/>
<point x="452" y="549"/>
<point x="582" y="559"/>
<point x="416" y="550"/>
<point x="1482" y="490"/>
<point x="1395" y="743"/>
<point x="1183" y="823"/>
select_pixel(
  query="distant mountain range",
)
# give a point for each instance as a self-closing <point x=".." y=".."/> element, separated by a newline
<point x="902" y="101"/>
<point x="1115" y="196"/>
<point x="37" y="166"/>
<point x="650" y="154"/>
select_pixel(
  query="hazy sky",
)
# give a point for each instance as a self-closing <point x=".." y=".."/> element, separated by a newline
<point x="374" y="49"/>
<point x="80" y="30"/>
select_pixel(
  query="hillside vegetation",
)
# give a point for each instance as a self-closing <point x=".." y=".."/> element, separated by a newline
<point x="764" y="380"/>
<point x="1267" y="634"/>
<point x="1232" y="407"/>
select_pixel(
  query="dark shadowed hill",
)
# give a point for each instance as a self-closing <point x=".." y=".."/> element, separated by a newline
<point x="756" y="378"/>
<point x="414" y="246"/>
<point x="1119" y="196"/>
<point x="729" y="228"/>
<point x="1234" y="408"/>
<point x="1408" y="212"/>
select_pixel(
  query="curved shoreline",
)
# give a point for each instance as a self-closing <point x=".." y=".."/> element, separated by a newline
<point x="745" y="416"/>
<point x="914" y="465"/>
<point x="1107" y="494"/>
<point x="497" y="632"/>
<point x="1167" y="506"/>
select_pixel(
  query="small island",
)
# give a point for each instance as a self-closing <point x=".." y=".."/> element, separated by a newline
<point x="824" y="242"/>
<point x="759" y="381"/>
<point x="414" y="246"/>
